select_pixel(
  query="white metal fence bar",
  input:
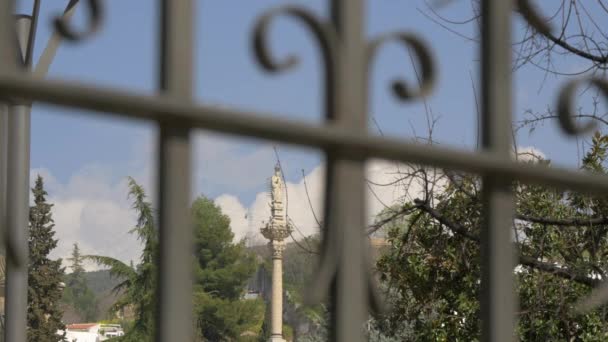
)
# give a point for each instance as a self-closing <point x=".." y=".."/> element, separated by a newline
<point x="17" y="218"/>
<point x="3" y="171"/>
<point x="345" y="199"/>
<point x="175" y="307"/>
<point x="498" y="299"/>
<point x="6" y="37"/>
<point x="17" y="119"/>
<point x="6" y="56"/>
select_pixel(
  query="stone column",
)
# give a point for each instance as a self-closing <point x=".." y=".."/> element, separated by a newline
<point x="276" y="231"/>
<point x="276" y="310"/>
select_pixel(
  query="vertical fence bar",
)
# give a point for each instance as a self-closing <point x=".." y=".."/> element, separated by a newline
<point x="498" y="302"/>
<point x="3" y="197"/>
<point x="6" y="37"/>
<point x="5" y="53"/>
<point x="17" y="217"/>
<point x="6" y="9"/>
<point x="346" y="178"/>
<point x="17" y="188"/>
<point x="174" y="316"/>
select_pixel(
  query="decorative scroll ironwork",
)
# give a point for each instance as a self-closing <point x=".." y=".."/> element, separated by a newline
<point x="568" y="94"/>
<point x="425" y="59"/>
<point x="323" y="33"/>
<point x="95" y="14"/>
<point x="566" y="104"/>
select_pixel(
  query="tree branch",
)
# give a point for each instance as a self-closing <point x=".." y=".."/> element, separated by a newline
<point x="524" y="260"/>
<point x="576" y="51"/>
<point x="403" y="211"/>
<point x="453" y="226"/>
<point x="564" y="222"/>
<point x="558" y="271"/>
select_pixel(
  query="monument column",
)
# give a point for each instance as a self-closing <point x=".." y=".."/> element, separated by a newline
<point x="276" y="230"/>
<point x="276" y="328"/>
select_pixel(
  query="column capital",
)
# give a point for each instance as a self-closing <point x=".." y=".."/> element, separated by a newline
<point x="277" y="248"/>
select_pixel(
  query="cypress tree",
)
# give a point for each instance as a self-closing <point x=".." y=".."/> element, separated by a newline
<point x="44" y="275"/>
<point x="76" y="260"/>
<point x="77" y="293"/>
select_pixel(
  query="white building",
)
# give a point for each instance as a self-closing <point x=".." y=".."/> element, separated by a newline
<point x="91" y="332"/>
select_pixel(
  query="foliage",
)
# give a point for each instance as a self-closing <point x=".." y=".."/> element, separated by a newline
<point x="77" y="293"/>
<point x="44" y="275"/>
<point x="221" y="319"/>
<point x="138" y="284"/>
<point x="299" y="265"/>
<point x="372" y="331"/>
<point x="100" y="282"/>
<point x="221" y="269"/>
<point x="433" y="266"/>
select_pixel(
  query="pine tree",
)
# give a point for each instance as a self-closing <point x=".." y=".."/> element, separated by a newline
<point x="77" y="292"/>
<point x="222" y="268"/>
<point x="44" y="275"/>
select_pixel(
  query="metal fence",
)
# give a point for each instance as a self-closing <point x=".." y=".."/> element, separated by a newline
<point x="343" y="137"/>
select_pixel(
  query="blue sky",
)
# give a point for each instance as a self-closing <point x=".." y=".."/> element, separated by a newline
<point x="124" y="54"/>
<point x="66" y="143"/>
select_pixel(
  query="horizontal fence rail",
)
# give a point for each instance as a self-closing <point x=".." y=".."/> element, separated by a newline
<point x="263" y="125"/>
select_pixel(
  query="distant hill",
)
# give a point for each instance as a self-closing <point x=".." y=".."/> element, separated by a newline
<point x="101" y="283"/>
<point x="298" y="267"/>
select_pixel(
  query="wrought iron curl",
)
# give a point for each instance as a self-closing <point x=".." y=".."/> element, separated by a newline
<point x="95" y="14"/>
<point x="568" y="93"/>
<point x="425" y="59"/>
<point x="566" y="105"/>
<point x="322" y="33"/>
<point x="530" y="14"/>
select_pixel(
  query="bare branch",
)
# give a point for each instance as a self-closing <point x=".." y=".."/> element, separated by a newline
<point x="582" y="221"/>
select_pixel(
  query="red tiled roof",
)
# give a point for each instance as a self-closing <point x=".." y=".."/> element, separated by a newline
<point x="81" y="326"/>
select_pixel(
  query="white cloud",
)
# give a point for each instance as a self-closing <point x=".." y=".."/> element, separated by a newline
<point x="91" y="210"/>
<point x="221" y="161"/>
<point x="530" y="153"/>
<point x="92" y="207"/>
<point x="238" y="214"/>
<point x="385" y="193"/>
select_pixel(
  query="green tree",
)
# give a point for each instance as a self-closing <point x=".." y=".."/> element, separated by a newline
<point x="44" y="275"/>
<point x="138" y="285"/>
<point x="77" y="292"/>
<point x="222" y="269"/>
<point x="433" y="266"/>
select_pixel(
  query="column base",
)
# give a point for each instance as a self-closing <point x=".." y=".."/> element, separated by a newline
<point x="276" y="338"/>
